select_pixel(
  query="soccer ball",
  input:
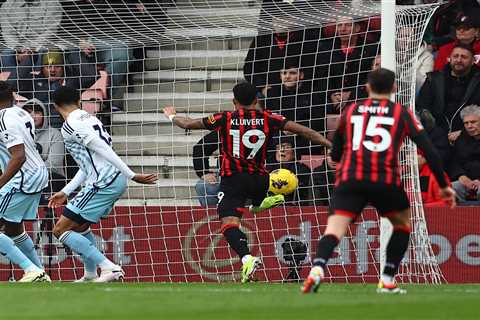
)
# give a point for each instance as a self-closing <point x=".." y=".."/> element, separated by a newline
<point x="283" y="181"/>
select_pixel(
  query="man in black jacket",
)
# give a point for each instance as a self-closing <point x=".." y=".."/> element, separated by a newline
<point x="342" y="65"/>
<point x="293" y="99"/>
<point x="445" y="93"/>
<point x="267" y="53"/>
<point x="208" y="185"/>
<point x="465" y="169"/>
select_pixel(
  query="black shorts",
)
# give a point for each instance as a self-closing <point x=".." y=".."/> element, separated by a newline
<point x="351" y="197"/>
<point x="236" y="189"/>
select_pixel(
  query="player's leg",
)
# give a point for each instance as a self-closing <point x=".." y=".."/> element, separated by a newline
<point x="9" y="250"/>
<point x="231" y="201"/>
<point x="336" y="227"/>
<point x="347" y="203"/>
<point x="89" y="266"/>
<point x="88" y="207"/>
<point x="396" y="248"/>
<point x="258" y="188"/>
<point x="15" y="208"/>
<point x="22" y="240"/>
<point x="393" y="204"/>
<point x="64" y="231"/>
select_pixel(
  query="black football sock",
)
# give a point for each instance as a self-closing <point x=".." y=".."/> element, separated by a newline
<point x="396" y="248"/>
<point x="237" y="240"/>
<point x="326" y="245"/>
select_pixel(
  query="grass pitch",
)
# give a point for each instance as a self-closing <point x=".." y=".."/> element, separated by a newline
<point x="68" y="301"/>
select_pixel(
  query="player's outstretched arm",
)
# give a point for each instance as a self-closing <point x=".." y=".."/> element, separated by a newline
<point x="17" y="158"/>
<point x="150" y="178"/>
<point x="182" y="122"/>
<point x="108" y="154"/>
<point x="308" y="133"/>
<point x="59" y="198"/>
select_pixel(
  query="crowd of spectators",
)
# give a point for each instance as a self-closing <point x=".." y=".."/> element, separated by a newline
<point x="309" y="75"/>
<point x="46" y="44"/>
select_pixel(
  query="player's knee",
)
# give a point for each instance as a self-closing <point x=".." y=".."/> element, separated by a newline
<point x="13" y="229"/>
<point x="58" y="230"/>
<point x="401" y="219"/>
<point x="228" y="223"/>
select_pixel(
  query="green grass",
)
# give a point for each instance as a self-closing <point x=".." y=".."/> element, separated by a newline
<point x="233" y="301"/>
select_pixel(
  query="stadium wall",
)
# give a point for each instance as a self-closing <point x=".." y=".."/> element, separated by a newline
<point x="176" y="244"/>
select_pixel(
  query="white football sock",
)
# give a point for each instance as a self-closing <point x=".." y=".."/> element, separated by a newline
<point x="245" y="258"/>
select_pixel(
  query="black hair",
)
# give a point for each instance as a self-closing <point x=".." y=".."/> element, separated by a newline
<point x="65" y="96"/>
<point x="6" y="92"/>
<point x="381" y="81"/>
<point x="245" y="93"/>
<point x="465" y="47"/>
<point x="292" y="62"/>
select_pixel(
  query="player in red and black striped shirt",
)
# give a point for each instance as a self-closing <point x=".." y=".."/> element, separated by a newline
<point x="244" y="134"/>
<point x="365" y="150"/>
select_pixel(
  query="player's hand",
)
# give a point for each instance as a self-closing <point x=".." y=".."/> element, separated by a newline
<point x="169" y="111"/>
<point x="448" y="195"/>
<point x="145" y="178"/>
<point x="57" y="200"/>
<point x="210" y="178"/>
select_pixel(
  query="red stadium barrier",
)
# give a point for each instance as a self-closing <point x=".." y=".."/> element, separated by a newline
<point x="181" y="244"/>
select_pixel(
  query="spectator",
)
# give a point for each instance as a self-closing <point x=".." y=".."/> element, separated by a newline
<point x="292" y="97"/>
<point x="22" y="64"/>
<point x="429" y="188"/>
<point x="323" y="182"/>
<point x="51" y="77"/>
<point x="465" y="169"/>
<point x="467" y="33"/>
<point x="30" y="24"/>
<point x="446" y="92"/>
<point x="208" y="186"/>
<point x="49" y="143"/>
<point x="267" y="53"/>
<point x="86" y="18"/>
<point x="437" y="135"/>
<point x="286" y="158"/>
<point x="439" y="30"/>
<point x="342" y="65"/>
<point x="423" y="65"/>
<point x="377" y="63"/>
<point x="428" y="184"/>
<point x="406" y="53"/>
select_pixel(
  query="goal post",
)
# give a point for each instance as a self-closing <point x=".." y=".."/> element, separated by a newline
<point x="130" y="61"/>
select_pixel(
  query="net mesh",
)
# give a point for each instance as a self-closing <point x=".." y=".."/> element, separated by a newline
<point x="129" y="60"/>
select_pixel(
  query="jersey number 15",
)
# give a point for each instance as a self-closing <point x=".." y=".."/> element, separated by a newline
<point x="373" y="130"/>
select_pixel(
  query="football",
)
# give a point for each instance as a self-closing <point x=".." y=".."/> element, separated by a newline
<point x="283" y="181"/>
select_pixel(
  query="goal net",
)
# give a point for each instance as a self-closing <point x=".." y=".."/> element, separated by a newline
<point x="308" y="59"/>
